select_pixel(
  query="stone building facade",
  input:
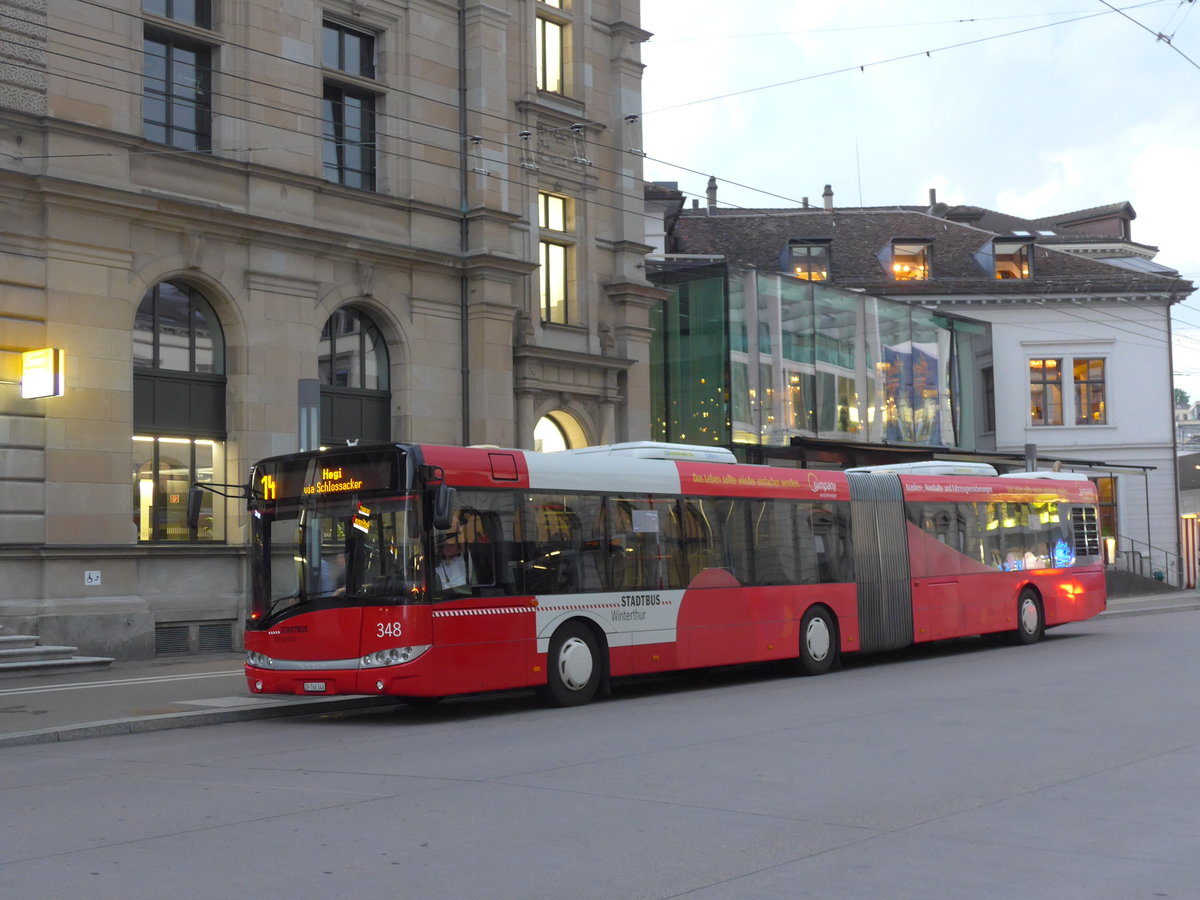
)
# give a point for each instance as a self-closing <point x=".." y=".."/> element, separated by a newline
<point x="429" y="213"/>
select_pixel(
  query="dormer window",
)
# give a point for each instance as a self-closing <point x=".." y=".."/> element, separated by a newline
<point x="809" y="260"/>
<point x="910" y="260"/>
<point x="1013" y="259"/>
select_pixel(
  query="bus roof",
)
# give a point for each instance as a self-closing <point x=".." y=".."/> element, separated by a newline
<point x="931" y="467"/>
<point x="660" y="450"/>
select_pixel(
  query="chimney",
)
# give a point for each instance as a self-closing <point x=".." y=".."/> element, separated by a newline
<point x="712" y="192"/>
<point x="933" y="196"/>
<point x="804" y="203"/>
<point x="695" y="203"/>
<point x="828" y="195"/>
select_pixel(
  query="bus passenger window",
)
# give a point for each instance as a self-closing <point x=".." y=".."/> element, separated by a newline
<point x="551" y="529"/>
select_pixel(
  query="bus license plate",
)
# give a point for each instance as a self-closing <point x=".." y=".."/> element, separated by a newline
<point x="314" y="687"/>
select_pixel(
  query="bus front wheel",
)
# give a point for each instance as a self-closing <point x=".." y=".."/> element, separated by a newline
<point x="573" y="666"/>
<point x="1031" y="622"/>
<point x="818" y="642"/>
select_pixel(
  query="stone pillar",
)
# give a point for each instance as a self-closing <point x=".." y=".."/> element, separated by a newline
<point x="525" y="421"/>
<point x="632" y="303"/>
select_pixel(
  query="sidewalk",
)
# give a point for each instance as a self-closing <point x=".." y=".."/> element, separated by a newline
<point x="184" y="692"/>
<point x="136" y="696"/>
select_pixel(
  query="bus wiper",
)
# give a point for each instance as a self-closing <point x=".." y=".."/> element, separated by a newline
<point x="275" y="604"/>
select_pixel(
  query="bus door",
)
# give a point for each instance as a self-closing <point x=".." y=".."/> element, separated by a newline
<point x="483" y="622"/>
<point x="935" y="561"/>
<point x="879" y="535"/>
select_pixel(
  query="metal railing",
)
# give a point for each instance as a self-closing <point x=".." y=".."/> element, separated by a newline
<point x="1148" y="561"/>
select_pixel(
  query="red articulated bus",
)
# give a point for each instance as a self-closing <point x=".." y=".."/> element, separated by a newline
<point x="424" y="571"/>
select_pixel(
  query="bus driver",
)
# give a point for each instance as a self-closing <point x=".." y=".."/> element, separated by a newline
<point x="452" y="571"/>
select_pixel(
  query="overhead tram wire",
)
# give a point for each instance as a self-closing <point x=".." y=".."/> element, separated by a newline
<point x="453" y="106"/>
<point x="393" y="154"/>
<point x="905" y="56"/>
<point x="456" y="133"/>
<point x="317" y="120"/>
<point x="886" y="25"/>
<point x="222" y="153"/>
<point x="458" y="138"/>
<point x="1158" y="35"/>
<point x="519" y="125"/>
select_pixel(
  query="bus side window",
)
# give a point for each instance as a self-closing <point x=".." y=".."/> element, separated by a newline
<point x="774" y="543"/>
<point x="479" y="545"/>
<point x="492" y="533"/>
<point x="739" y="545"/>
<point x="592" y="554"/>
<point x="838" y="562"/>
<point x="974" y="519"/>
<point x="696" y="540"/>
<point x="824" y="547"/>
<point x="551" y="529"/>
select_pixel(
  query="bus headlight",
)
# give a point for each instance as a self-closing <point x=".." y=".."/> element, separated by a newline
<point x="258" y="660"/>
<point x="393" y="656"/>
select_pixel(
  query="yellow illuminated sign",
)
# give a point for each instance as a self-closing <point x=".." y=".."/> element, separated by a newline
<point x="268" y="487"/>
<point x="42" y="373"/>
<point x="333" y="481"/>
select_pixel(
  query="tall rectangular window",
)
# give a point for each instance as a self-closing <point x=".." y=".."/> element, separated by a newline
<point x="550" y="45"/>
<point x="1089" y="392"/>
<point x="348" y="50"/>
<point x="1045" y="392"/>
<point x="553" y="260"/>
<point x="1106" y="497"/>
<point x="554" y="257"/>
<point x="176" y="79"/>
<point x="189" y="12"/>
<point x="349" y="132"/>
<point x="910" y="260"/>
<point x="348" y="110"/>
<point x="988" y="380"/>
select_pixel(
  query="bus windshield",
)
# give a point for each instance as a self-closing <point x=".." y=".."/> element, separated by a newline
<point x="336" y="554"/>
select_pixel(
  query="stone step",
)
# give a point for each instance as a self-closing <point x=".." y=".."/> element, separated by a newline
<point x="38" y="652"/>
<point x="23" y="653"/>
<point x="43" y="665"/>
<point x="15" y="641"/>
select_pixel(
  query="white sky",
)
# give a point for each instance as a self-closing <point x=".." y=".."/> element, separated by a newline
<point x="1063" y="117"/>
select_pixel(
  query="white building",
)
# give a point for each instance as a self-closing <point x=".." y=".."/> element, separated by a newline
<point x="1080" y="321"/>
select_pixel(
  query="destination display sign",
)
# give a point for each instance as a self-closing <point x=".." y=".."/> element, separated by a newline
<point x="328" y="476"/>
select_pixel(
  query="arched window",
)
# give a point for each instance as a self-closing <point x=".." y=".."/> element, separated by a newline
<point x="178" y="413"/>
<point x="548" y="436"/>
<point x="355" y="384"/>
<point x="558" y="430"/>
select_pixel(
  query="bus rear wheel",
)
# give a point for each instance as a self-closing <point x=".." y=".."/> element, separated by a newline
<point x="818" y="642"/>
<point x="573" y="666"/>
<point x="1031" y="621"/>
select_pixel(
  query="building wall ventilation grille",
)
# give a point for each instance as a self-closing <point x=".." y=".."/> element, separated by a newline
<point x="171" y="639"/>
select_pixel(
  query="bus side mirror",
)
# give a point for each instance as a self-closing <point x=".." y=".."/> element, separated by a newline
<point x="443" y="503"/>
<point x="195" y="501"/>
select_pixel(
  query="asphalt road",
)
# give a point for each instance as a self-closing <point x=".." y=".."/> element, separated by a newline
<point x="969" y="770"/>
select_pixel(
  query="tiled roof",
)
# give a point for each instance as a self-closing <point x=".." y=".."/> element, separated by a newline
<point x="858" y="237"/>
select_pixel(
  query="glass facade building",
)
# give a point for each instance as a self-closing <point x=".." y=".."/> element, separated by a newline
<point x="743" y="357"/>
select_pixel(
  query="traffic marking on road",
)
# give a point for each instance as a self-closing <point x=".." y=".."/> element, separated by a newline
<point x="117" y="682"/>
